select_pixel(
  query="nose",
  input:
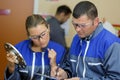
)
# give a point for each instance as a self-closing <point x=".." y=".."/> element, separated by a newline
<point x="39" y="39"/>
<point x="78" y="28"/>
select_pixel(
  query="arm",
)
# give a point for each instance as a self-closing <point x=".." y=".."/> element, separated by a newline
<point x="10" y="72"/>
<point x="111" y="65"/>
<point x="63" y="71"/>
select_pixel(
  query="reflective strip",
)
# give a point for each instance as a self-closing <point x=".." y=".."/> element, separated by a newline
<point x="84" y="70"/>
<point x="92" y="64"/>
<point x="72" y="60"/>
<point x="43" y="65"/>
<point x="33" y="65"/>
<point x="24" y="71"/>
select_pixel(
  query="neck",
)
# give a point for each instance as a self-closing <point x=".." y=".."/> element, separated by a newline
<point x="36" y="49"/>
<point x="58" y="18"/>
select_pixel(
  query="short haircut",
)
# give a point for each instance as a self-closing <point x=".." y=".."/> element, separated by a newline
<point x="63" y="8"/>
<point x="85" y="8"/>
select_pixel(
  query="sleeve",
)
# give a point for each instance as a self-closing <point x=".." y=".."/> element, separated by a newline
<point x="14" y="76"/>
<point x="111" y="64"/>
<point x="67" y="66"/>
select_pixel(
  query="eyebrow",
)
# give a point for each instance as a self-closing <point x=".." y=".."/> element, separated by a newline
<point x="39" y="34"/>
<point x="42" y="32"/>
<point x="78" y="23"/>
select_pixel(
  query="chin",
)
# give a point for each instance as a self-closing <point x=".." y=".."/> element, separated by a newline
<point x="81" y="36"/>
<point x="43" y="46"/>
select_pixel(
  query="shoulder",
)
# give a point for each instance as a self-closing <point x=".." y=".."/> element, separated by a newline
<point x="55" y="45"/>
<point x="106" y="39"/>
<point x="23" y="43"/>
<point x="109" y="37"/>
<point x="52" y="20"/>
<point x="76" y="39"/>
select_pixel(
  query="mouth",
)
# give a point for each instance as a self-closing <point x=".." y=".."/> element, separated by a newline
<point x="81" y="35"/>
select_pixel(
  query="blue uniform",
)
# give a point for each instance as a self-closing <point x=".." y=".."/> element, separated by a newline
<point x="37" y="62"/>
<point x="97" y="58"/>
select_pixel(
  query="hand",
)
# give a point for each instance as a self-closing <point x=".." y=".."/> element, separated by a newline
<point x="74" y="78"/>
<point x="59" y="74"/>
<point x="52" y="56"/>
<point x="11" y="62"/>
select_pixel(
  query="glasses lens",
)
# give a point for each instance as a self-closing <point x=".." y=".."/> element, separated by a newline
<point x="33" y="37"/>
<point x="42" y="35"/>
<point x="81" y="25"/>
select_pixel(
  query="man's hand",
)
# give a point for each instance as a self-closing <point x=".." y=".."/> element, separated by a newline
<point x="59" y="73"/>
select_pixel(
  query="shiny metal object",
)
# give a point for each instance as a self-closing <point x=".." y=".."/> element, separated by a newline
<point x="19" y="60"/>
<point x="50" y="77"/>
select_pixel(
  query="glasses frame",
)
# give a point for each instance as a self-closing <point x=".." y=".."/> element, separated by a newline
<point x="82" y="25"/>
<point x="41" y="36"/>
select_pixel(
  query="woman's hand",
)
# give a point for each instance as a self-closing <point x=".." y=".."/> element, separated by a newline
<point x="52" y="56"/>
<point x="11" y="62"/>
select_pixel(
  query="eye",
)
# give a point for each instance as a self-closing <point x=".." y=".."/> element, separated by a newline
<point x="42" y="34"/>
<point x="34" y="37"/>
<point x="76" y="25"/>
<point x="82" y="25"/>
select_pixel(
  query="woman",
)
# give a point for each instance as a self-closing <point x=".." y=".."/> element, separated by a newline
<point x="38" y="52"/>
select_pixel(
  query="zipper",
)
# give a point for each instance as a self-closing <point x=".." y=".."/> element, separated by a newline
<point x="33" y="66"/>
<point x="43" y="65"/>
<point x="84" y="69"/>
<point x="79" y="58"/>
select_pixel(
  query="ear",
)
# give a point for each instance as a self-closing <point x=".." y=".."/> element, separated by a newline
<point x="49" y="27"/>
<point x="96" y="21"/>
<point x="62" y="14"/>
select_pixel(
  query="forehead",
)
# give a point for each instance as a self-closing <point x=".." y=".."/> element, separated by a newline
<point x="37" y="29"/>
<point x="83" y="18"/>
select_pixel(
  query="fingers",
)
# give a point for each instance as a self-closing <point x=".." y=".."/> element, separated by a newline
<point x="52" y="53"/>
<point x="61" y="74"/>
<point x="11" y="62"/>
<point x="53" y="71"/>
<point x="52" y="56"/>
<point x="11" y="58"/>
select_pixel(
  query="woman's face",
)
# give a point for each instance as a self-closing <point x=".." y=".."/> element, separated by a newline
<point x="39" y="35"/>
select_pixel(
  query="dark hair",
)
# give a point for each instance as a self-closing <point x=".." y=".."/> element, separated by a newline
<point x="33" y="21"/>
<point x="85" y="8"/>
<point x="63" y="8"/>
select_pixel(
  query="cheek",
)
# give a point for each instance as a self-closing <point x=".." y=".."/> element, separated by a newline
<point x="36" y="43"/>
<point x="47" y="39"/>
<point x="45" y="42"/>
<point x="88" y="31"/>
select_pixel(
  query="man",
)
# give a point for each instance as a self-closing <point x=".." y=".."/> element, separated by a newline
<point x="57" y="33"/>
<point x="94" y="52"/>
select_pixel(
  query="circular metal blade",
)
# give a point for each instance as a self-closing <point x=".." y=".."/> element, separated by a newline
<point x="11" y="49"/>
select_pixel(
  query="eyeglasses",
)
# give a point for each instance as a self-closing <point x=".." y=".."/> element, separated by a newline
<point x="42" y="35"/>
<point x="82" y="25"/>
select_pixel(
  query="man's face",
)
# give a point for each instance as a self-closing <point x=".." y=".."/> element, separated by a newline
<point x="64" y="18"/>
<point x="84" y="26"/>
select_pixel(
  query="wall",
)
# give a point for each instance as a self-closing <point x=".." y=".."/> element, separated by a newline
<point x="106" y="8"/>
<point x="12" y="27"/>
